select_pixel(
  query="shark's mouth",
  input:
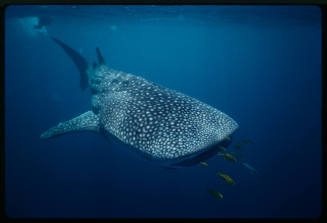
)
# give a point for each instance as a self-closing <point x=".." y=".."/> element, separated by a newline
<point x="201" y="156"/>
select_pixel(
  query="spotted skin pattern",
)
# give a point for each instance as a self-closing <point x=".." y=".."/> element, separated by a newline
<point x="162" y="124"/>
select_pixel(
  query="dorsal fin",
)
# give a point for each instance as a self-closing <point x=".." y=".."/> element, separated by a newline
<point x="79" y="61"/>
<point x="100" y="57"/>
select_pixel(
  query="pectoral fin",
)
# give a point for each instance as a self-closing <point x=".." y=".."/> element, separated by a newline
<point x="87" y="121"/>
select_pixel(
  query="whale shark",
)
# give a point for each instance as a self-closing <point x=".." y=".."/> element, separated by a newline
<point x="159" y="123"/>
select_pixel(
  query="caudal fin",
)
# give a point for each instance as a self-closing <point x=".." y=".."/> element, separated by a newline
<point x="78" y="60"/>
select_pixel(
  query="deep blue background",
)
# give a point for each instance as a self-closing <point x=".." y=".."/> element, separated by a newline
<point x="260" y="65"/>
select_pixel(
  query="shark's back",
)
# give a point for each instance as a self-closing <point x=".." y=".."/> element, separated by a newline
<point x="161" y="123"/>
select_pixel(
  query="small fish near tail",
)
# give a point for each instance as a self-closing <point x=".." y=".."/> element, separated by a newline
<point x="249" y="167"/>
<point x="215" y="194"/>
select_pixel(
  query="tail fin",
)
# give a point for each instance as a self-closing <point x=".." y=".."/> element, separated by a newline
<point x="79" y="61"/>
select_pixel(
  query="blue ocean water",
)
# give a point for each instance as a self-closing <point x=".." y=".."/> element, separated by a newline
<point x="261" y="65"/>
